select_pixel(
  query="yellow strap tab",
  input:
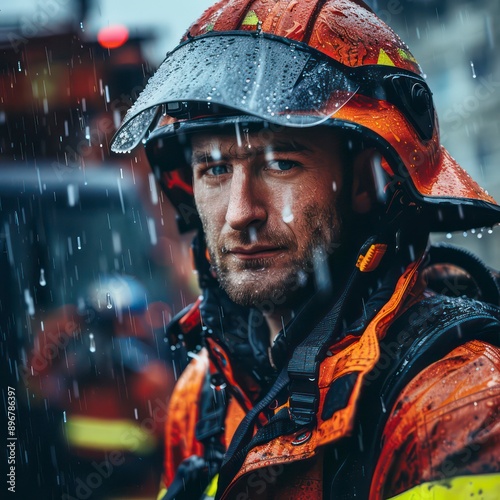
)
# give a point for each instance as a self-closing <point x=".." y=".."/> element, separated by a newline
<point x="371" y="260"/>
<point x="481" y="486"/>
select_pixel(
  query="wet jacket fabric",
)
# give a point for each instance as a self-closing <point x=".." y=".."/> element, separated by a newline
<point x="408" y="407"/>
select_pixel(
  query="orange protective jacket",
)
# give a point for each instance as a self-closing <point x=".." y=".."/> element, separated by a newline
<point x="442" y="432"/>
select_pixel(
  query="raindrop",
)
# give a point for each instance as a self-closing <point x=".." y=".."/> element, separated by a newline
<point x="64" y="416"/>
<point x="92" y="342"/>
<point x="109" y="304"/>
<point x="19" y="65"/>
<point x="479" y="235"/>
<point x="449" y="236"/>
<point x="334" y="186"/>
<point x="28" y="299"/>
<point x="152" y="189"/>
<point x="81" y="26"/>
<point x="490" y="231"/>
<point x="238" y="134"/>
<point x="117" y="243"/>
<point x="252" y="234"/>
<point x="72" y="191"/>
<point x="152" y="231"/>
<point x="78" y="243"/>
<point x="301" y="278"/>
<point x="384" y="409"/>
<point x="42" y="277"/>
<point x="473" y="70"/>
<point x="136" y="415"/>
<point x="465" y="234"/>
<point x="321" y="270"/>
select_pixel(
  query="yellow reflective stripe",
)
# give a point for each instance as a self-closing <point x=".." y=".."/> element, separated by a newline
<point x="161" y="493"/>
<point x="208" y="494"/>
<point x="103" y="434"/>
<point x="212" y="488"/>
<point x="481" y="486"/>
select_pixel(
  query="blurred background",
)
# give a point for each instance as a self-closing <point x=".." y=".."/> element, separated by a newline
<point x="92" y="266"/>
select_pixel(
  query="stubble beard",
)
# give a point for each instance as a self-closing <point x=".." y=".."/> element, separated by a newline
<point x="281" y="279"/>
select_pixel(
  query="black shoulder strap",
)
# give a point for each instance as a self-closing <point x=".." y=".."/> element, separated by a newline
<point x="421" y="336"/>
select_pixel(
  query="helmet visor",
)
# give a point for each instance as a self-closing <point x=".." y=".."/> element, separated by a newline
<point x="275" y="79"/>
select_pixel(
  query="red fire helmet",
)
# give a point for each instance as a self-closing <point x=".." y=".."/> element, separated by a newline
<point x="299" y="63"/>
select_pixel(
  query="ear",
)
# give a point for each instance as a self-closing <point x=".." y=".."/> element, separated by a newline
<point x="363" y="186"/>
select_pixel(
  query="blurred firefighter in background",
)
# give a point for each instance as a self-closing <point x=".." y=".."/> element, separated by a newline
<point x="87" y="261"/>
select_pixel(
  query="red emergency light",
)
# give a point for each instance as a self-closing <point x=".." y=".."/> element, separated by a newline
<point x="112" y="37"/>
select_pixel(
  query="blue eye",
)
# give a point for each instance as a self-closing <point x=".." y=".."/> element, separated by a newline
<point x="217" y="170"/>
<point x="281" y="165"/>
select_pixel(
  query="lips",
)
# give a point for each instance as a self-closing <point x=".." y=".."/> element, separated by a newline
<point x="256" y="252"/>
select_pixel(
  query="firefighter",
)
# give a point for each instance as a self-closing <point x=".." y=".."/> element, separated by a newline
<point x="335" y="353"/>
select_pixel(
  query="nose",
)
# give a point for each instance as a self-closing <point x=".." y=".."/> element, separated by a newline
<point x="246" y="205"/>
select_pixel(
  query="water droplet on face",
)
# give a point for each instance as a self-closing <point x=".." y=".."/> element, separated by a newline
<point x="287" y="214"/>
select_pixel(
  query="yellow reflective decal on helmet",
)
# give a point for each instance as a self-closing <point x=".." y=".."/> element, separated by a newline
<point x="406" y="55"/>
<point x="384" y="59"/>
<point x="251" y="19"/>
<point x="483" y="486"/>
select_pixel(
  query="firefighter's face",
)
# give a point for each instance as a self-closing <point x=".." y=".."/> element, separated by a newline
<point x="268" y="204"/>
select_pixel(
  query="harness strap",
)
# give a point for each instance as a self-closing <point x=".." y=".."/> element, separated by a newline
<point x="234" y="459"/>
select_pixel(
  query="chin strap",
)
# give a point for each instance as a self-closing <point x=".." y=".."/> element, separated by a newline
<point x="303" y="367"/>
